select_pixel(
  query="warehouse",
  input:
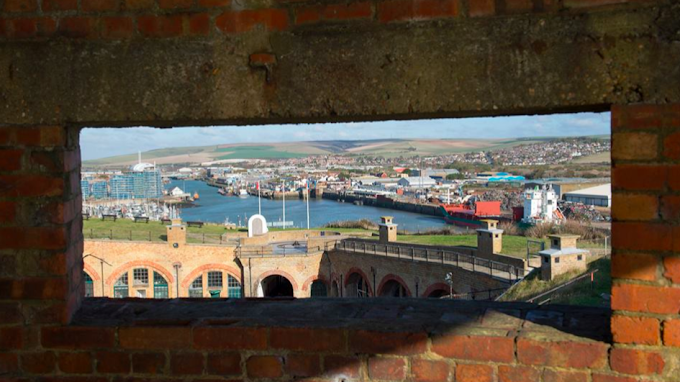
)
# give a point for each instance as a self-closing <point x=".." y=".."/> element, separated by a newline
<point x="594" y="196"/>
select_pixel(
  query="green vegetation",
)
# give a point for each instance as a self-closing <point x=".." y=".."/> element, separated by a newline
<point x="512" y="245"/>
<point x="257" y="152"/>
<point x="123" y="229"/>
<point x="579" y="293"/>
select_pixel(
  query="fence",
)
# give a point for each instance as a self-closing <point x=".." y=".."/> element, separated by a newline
<point x="140" y="235"/>
<point x="439" y="256"/>
<point x="280" y="250"/>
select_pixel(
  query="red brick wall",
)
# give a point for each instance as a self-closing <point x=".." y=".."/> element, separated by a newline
<point x="646" y="235"/>
<point x="125" y="19"/>
<point x="41" y="267"/>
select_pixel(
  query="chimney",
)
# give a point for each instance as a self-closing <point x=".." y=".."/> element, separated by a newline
<point x="176" y="233"/>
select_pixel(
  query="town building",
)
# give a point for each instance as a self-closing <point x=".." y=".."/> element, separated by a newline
<point x="600" y="196"/>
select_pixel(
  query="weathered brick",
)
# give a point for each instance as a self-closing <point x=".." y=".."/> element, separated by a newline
<point x="34" y="288"/>
<point x="672" y="269"/>
<point x="349" y="11"/>
<point x="100" y="5"/>
<point x="645" y="298"/>
<point x="59" y="5"/>
<point x="518" y="6"/>
<point x="9" y="363"/>
<point x="479" y="8"/>
<point x="400" y="10"/>
<point x="77" y="337"/>
<point x="148" y="363"/>
<point x="613" y="378"/>
<point x="117" y="27"/>
<point x="635" y="146"/>
<point x="11" y="338"/>
<point x="186" y="363"/>
<point x="33" y="238"/>
<point x="213" y="3"/>
<point x="20" y="6"/>
<point x="175" y="4"/>
<point x="392" y="369"/>
<point x="674" y="178"/>
<point x="230" y="338"/>
<point x="336" y="366"/>
<point x="160" y="26"/>
<point x="305" y="339"/>
<point x="562" y="354"/>
<point x="264" y="366"/>
<point x="113" y="362"/>
<point x="10" y="159"/>
<point x="642" y="236"/>
<point x="628" y="116"/>
<point x="298" y="365"/>
<point x="155" y="338"/>
<point x="243" y="21"/>
<point x="223" y="363"/>
<point x="7" y="212"/>
<point x="479" y="348"/>
<point x="75" y="363"/>
<point x="635" y="330"/>
<point x="634" y="266"/>
<point x="671" y="146"/>
<point x="671" y="333"/>
<point x="137" y="4"/>
<point x="37" y="362"/>
<point x="633" y="361"/>
<point x="635" y="207"/>
<point x="77" y="27"/>
<point x="517" y="373"/>
<point x="372" y="342"/>
<point x="10" y="313"/>
<point x="549" y="375"/>
<point x="473" y="373"/>
<point x="670" y="207"/>
<point x="639" y="177"/>
<point x="199" y="24"/>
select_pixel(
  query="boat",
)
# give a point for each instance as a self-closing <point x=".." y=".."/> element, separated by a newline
<point x="464" y="215"/>
<point x="243" y="193"/>
<point x="195" y="195"/>
<point x="222" y="192"/>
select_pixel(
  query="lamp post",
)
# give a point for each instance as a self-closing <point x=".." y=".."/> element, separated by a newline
<point x="177" y="266"/>
<point x="375" y="290"/>
<point x="449" y="280"/>
<point x="101" y="263"/>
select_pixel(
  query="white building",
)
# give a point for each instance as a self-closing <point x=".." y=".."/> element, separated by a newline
<point x="594" y="196"/>
<point x="417" y="182"/>
<point x="540" y="205"/>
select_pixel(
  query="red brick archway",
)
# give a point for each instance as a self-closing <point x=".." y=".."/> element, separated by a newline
<point x="209" y="267"/>
<point x="435" y="287"/>
<point x="278" y="272"/>
<point x="90" y="271"/>
<point x="392" y="277"/>
<point x="361" y="273"/>
<point x="311" y="279"/>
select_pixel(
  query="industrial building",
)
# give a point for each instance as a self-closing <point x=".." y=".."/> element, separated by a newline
<point x="600" y="196"/>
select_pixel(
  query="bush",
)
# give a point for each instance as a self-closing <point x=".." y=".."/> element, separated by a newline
<point x="539" y="230"/>
<point x="510" y="228"/>
<point x="363" y="224"/>
<point x="585" y="231"/>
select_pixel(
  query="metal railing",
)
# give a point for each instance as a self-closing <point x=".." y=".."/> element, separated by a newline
<point x="278" y="251"/>
<point x="141" y="235"/>
<point x="435" y="255"/>
<point x="590" y="275"/>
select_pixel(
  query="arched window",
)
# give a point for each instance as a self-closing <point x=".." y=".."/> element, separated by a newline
<point x="357" y="286"/>
<point x="215" y="284"/>
<point x="160" y="286"/>
<point x="318" y="289"/>
<point x="120" y="288"/>
<point x="234" y="287"/>
<point x="196" y="287"/>
<point x="89" y="285"/>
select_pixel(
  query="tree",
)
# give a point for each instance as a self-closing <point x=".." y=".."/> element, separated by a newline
<point x="455" y="176"/>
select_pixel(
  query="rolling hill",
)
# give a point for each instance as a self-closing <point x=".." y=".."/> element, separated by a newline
<point x="382" y="147"/>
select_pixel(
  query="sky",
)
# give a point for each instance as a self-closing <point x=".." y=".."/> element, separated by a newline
<point x="105" y="142"/>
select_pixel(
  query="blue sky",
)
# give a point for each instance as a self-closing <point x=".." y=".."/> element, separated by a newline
<point x="104" y="142"/>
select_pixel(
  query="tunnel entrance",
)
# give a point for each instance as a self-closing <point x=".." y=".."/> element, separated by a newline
<point x="393" y="288"/>
<point x="357" y="286"/>
<point x="277" y="286"/>
<point x="439" y="293"/>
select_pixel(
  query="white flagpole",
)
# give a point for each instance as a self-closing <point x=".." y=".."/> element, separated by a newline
<point x="259" y="201"/>
<point x="284" y="205"/>
<point x="307" y="203"/>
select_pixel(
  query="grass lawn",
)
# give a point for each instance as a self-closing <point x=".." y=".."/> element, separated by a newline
<point x="124" y="229"/>
<point x="576" y="294"/>
<point x="512" y="245"/>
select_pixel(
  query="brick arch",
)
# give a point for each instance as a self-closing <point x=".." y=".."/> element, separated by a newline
<point x="362" y="274"/>
<point x="90" y="271"/>
<point x="311" y="279"/>
<point x="396" y="278"/>
<point x="436" y="286"/>
<point x="140" y="263"/>
<point x="277" y="272"/>
<point x="210" y="267"/>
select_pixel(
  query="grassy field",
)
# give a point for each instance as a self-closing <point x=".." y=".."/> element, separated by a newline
<point x="576" y="294"/>
<point x="123" y="229"/>
<point x="257" y="152"/>
<point x="605" y="157"/>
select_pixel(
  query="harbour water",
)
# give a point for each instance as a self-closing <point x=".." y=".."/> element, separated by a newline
<point x="215" y="208"/>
